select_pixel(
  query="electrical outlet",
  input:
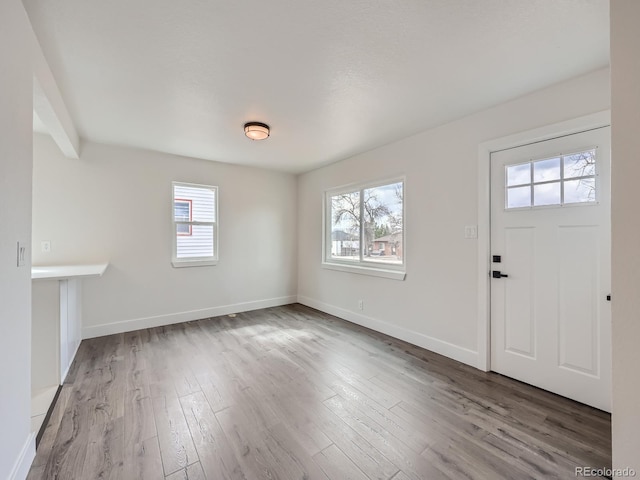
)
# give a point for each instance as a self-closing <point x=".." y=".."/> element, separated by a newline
<point x="45" y="246"/>
<point x="22" y="253"/>
<point x="360" y="304"/>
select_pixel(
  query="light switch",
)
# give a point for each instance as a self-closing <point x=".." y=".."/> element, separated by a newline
<point x="471" y="231"/>
<point x="45" y="246"/>
<point x="22" y="253"/>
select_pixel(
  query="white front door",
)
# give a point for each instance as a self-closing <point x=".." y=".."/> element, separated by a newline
<point x="550" y="244"/>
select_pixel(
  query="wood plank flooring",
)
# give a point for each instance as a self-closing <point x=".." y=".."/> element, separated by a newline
<point x="293" y="393"/>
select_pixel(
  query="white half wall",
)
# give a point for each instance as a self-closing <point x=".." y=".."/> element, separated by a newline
<point x="115" y="204"/>
<point x="437" y="303"/>
<point x="625" y="224"/>
<point x="17" y="446"/>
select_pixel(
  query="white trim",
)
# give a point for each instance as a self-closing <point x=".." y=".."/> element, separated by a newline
<point x="548" y="132"/>
<point x="73" y="357"/>
<point x="379" y="182"/>
<point x="193" y="263"/>
<point x="362" y="270"/>
<point x="441" y="347"/>
<point x="179" y="317"/>
<point x="23" y="463"/>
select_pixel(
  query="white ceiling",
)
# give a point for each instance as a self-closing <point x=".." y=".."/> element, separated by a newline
<point x="333" y="78"/>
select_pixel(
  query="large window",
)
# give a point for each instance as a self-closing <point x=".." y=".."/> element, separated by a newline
<point x="195" y="224"/>
<point x="364" y="226"/>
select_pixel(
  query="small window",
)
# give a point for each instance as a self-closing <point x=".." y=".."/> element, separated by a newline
<point x="195" y="227"/>
<point x="559" y="180"/>
<point x="364" y="226"/>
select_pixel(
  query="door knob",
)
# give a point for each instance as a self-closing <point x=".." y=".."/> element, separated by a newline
<point x="498" y="274"/>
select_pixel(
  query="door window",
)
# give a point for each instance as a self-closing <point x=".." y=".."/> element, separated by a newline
<point x="559" y="180"/>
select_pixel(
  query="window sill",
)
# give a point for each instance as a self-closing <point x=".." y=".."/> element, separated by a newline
<point x="371" y="271"/>
<point x="193" y="263"/>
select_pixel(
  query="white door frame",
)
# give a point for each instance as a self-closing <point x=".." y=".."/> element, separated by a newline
<point x="568" y="127"/>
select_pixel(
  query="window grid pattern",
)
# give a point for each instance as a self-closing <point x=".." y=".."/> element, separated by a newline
<point x="554" y="181"/>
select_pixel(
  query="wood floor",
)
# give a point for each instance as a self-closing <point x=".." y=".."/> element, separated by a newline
<point x="292" y="393"/>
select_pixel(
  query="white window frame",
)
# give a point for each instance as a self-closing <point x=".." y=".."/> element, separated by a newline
<point x="193" y="261"/>
<point x="561" y="181"/>
<point x="363" y="266"/>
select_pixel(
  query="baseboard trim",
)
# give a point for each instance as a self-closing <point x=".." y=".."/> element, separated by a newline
<point x="63" y="377"/>
<point x="447" y="349"/>
<point x="171" y="318"/>
<point x="47" y="417"/>
<point x="25" y="459"/>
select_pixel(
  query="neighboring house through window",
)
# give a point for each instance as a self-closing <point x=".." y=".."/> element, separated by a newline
<point x="364" y="228"/>
<point x="182" y="212"/>
<point x="195" y="221"/>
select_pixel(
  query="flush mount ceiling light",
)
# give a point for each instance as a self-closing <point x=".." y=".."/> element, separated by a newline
<point x="256" y="130"/>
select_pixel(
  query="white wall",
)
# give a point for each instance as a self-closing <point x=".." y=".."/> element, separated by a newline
<point x="625" y="148"/>
<point x="16" y="445"/>
<point x="436" y="306"/>
<point x="114" y="204"/>
<point x="45" y="332"/>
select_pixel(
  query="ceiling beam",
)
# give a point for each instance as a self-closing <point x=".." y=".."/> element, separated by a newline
<point x="49" y="105"/>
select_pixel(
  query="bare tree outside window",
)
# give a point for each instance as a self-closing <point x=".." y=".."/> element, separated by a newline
<point x="558" y="180"/>
<point x="367" y="224"/>
<point x="582" y="166"/>
<point x="345" y="225"/>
